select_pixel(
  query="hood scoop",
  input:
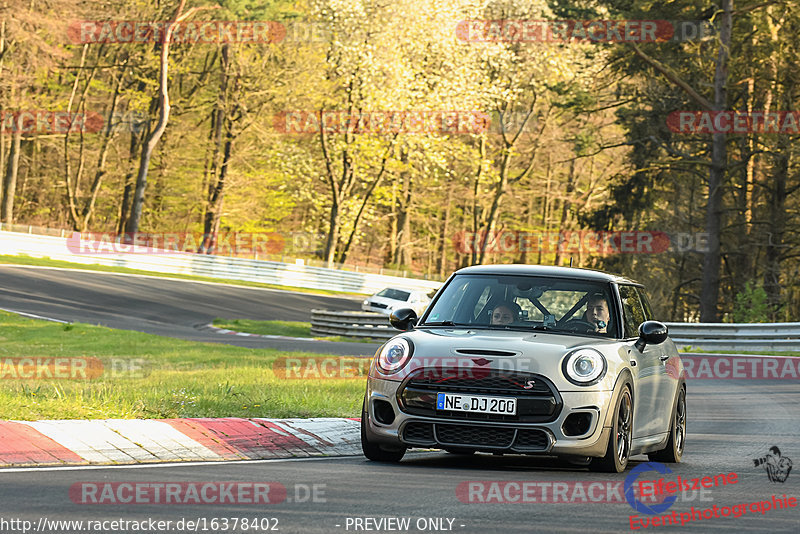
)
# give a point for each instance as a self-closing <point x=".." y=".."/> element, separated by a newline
<point x="485" y="352"/>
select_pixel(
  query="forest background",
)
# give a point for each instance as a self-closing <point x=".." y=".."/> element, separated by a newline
<point x="496" y="147"/>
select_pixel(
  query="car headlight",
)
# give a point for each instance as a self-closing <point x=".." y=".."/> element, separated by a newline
<point x="395" y="355"/>
<point x="584" y="367"/>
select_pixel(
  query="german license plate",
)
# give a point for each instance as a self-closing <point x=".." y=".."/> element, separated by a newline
<point x="476" y="403"/>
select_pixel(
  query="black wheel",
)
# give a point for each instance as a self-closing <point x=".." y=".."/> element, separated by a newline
<point x="673" y="452"/>
<point x="619" y="442"/>
<point x="375" y="451"/>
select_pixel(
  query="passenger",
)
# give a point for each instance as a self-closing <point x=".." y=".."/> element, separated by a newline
<point x="597" y="313"/>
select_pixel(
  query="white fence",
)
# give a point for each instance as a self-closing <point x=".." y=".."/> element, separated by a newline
<point x="268" y="272"/>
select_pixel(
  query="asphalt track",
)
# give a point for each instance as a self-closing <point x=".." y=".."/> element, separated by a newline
<point x="165" y="306"/>
<point x="730" y="423"/>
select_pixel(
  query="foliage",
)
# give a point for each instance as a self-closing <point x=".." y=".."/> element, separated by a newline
<point x="751" y="305"/>
<point x="594" y="150"/>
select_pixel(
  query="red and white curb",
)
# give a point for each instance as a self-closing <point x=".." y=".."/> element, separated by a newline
<point x="227" y="332"/>
<point x="133" y="441"/>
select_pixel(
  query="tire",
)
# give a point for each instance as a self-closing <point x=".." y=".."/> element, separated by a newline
<point x="374" y="451"/>
<point x="673" y="452"/>
<point x="618" y="450"/>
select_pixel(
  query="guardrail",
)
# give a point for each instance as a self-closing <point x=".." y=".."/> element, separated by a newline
<point x="707" y="336"/>
<point x="222" y="267"/>
<point x="736" y="336"/>
<point x="351" y="324"/>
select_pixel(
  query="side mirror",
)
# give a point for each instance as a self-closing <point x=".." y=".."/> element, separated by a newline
<point x="403" y="319"/>
<point x="651" y="333"/>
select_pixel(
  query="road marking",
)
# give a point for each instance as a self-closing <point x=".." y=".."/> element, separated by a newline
<point x="34" y="316"/>
<point x="176" y="464"/>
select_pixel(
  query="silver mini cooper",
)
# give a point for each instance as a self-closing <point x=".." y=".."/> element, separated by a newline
<point x="521" y="359"/>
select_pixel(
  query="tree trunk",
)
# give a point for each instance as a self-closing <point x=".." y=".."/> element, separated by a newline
<point x="137" y="138"/>
<point x="218" y="169"/>
<point x="777" y="209"/>
<point x="523" y="250"/>
<point x="477" y="223"/>
<point x="402" y="253"/>
<point x="565" y="205"/>
<point x="392" y="251"/>
<point x="213" y="214"/>
<point x="712" y="261"/>
<point x="333" y="233"/>
<point x="367" y="195"/>
<point x="442" y="265"/>
<point x="10" y="181"/>
<point x="494" y="211"/>
<point x="152" y="139"/>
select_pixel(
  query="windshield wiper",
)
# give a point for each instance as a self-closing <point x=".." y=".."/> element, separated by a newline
<point x="443" y="323"/>
<point x="518" y="327"/>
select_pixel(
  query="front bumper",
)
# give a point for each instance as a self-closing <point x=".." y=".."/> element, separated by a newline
<point x="389" y="424"/>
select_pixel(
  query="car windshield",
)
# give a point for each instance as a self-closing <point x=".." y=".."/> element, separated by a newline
<point x="526" y="303"/>
<point x="395" y="294"/>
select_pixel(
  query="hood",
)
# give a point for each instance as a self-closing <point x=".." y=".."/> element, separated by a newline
<point x="474" y="349"/>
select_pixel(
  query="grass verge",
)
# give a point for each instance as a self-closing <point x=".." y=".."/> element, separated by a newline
<point x="47" y="262"/>
<point x="280" y="328"/>
<point x="146" y="376"/>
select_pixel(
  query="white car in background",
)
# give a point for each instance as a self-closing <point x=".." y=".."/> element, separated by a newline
<point x="394" y="298"/>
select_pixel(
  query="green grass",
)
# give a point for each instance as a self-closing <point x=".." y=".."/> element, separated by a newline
<point x="147" y="376"/>
<point x="23" y="259"/>
<point x="281" y="328"/>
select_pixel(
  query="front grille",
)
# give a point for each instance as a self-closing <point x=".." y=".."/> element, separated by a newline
<point x="532" y="439"/>
<point x="378" y="305"/>
<point x="477" y="380"/>
<point x="539" y="403"/>
<point x="419" y="434"/>
<point x="474" y="435"/>
<point x="479" y="437"/>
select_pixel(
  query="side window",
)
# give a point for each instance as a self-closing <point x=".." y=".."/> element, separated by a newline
<point x="633" y="310"/>
<point x="648" y="312"/>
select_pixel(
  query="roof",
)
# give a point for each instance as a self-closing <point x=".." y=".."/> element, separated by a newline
<point x="547" y="270"/>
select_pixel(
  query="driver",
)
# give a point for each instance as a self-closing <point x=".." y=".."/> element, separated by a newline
<point x="505" y="313"/>
<point x="597" y="313"/>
